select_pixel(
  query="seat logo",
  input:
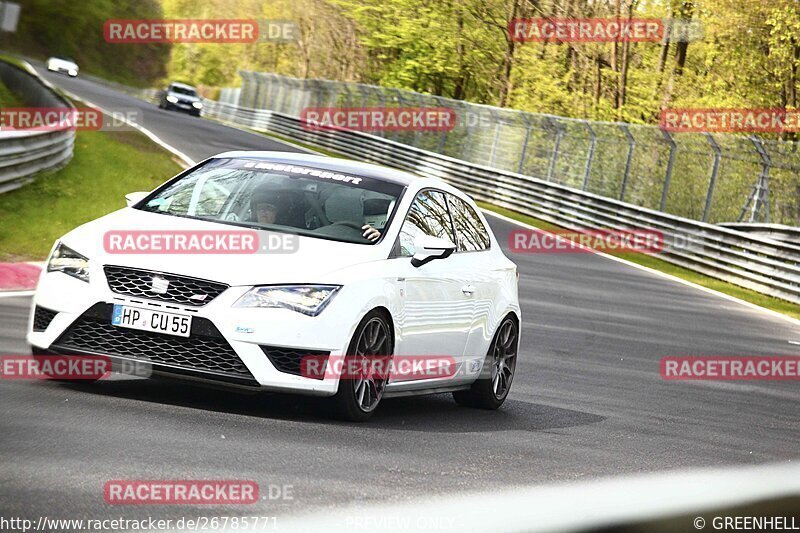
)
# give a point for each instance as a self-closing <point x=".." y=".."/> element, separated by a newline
<point x="159" y="285"/>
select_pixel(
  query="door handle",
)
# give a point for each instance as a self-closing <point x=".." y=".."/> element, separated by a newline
<point x="468" y="290"/>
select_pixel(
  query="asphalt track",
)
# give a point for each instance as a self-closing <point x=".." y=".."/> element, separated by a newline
<point x="587" y="399"/>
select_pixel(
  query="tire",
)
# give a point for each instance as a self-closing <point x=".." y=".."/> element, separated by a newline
<point x="501" y="362"/>
<point x="358" y="398"/>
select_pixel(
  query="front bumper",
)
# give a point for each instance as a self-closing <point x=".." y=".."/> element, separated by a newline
<point x="63" y="70"/>
<point x="184" y="106"/>
<point x="242" y="347"/>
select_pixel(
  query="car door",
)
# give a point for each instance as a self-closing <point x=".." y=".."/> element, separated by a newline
<point x="484" y="279"/>
<point x="436" y="314"/>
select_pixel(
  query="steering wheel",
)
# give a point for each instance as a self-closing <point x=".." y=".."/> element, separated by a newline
<point x="347" y="223"/>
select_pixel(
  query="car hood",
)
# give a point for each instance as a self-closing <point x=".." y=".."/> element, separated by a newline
<point x="313" y="262"/>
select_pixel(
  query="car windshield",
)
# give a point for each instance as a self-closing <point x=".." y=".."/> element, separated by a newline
<point x="281" y="197"/>
<point x="183" y="90"/>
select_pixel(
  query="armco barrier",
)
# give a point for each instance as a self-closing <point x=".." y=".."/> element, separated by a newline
<point x="23" y="154"/>
<point x="762" y="264"/>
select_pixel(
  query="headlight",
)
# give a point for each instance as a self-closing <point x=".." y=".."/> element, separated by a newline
<point x="307" y="299"/>
<point x="197" y="105"/>
<point x="73" y="72"/>
<point x="69" y="262"/>
<point x="172" y="99"/>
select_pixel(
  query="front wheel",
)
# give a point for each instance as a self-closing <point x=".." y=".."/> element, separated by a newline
<point x="361" y="388"/>
<point x="491" y="389"/>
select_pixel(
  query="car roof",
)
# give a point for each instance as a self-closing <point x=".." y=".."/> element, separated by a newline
<point x="182" y="85"/>
<point x="348" y="166"/>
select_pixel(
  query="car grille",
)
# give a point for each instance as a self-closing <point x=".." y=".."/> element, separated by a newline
<point x="205" y="350"/>
<point x="182" y="290"/>
<point x="289" y="361"/>
<point x="42" y="318"/>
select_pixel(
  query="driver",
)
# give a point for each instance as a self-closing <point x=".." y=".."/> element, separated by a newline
<point x="269" y="206"/>
<point x="266" y="212"/>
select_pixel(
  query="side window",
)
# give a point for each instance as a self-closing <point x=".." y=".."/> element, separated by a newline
<point x="428" y="216"/>
<point x="471" y="233"/>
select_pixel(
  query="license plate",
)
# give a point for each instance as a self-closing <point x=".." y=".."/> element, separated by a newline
<point x="140" y="318"/>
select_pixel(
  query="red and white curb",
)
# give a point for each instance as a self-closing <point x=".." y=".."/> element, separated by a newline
<point x="19" y="279"/>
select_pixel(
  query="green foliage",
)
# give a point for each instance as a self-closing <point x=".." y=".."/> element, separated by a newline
<point x="747" y="57"/>
<point x="75" y="29"/>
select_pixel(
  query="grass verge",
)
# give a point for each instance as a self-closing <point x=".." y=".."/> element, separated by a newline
<point x="105" y="167"/>
<point x="650" y="261"/>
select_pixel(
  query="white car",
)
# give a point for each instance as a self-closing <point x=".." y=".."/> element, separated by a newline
<point x="383" y="264"/>
<point x="60" y="64"/>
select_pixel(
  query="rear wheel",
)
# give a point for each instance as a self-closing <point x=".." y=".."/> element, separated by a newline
<point x="491" y="389"/>
<point x="361" y="389"/>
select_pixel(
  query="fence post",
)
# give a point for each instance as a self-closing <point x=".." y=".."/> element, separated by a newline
<point x="496" y="136"/>
<point x="590" y="155"/>
<point x="277" y="104"/>
<point x="324" y="96"/>
<point x="397" y="101"/>
<point x="524" y="153"/>
<point x="299" y="89"/>
<point x="271" y="85"/>
<point x="440" y="102"/>
<point x="759" y="195"/>
<point x="244" y="96"/>
<point x="673" y="146"/>
<point x="714" y="171"/>
<point x="257" y="93"/>
<point x="553" y="158"/>
<point x="466" y="148"/>
<point x="631" y="145"/>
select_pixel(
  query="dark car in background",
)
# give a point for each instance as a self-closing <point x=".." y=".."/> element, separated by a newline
<point x="181" y="97"/>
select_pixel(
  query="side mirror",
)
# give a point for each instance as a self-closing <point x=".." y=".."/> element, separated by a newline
<point x="135" y="197"/>
<point x="429" y="248"/>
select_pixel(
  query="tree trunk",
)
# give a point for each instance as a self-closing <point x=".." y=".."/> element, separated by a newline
<point x="508" y="59"/>
<point x="681" y="47"/>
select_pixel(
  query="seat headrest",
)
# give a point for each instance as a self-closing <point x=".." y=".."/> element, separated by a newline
<point x="345" y="206"/>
